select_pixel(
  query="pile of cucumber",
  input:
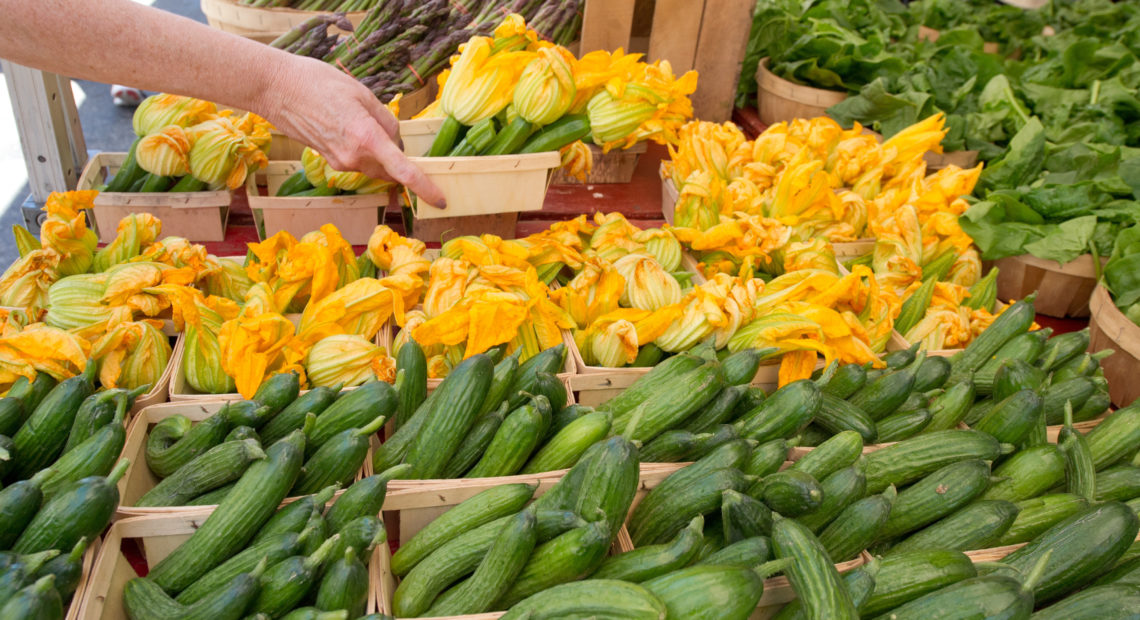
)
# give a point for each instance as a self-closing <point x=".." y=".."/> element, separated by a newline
<point x="251" y="558"/>
<point x="498" y="548"/>
<point x="199" y="464"/>
<point x="491" y="416"/>
<point x="59" y="460"/>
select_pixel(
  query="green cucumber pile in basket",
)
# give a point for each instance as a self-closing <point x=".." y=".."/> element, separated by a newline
<point x="59" y="463"/>
<point x="252" y="558"/>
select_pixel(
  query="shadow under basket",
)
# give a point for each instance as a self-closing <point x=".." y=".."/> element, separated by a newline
<point x="354" y="215"/>
<point x="197" y="216"/>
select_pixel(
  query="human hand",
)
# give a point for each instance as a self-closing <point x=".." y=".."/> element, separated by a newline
<point x="340" y="118"/>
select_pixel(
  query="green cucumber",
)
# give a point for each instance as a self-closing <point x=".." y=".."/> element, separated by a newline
<point x="671" y="446"/>
<point x="594" y="598"/>
<point x="740" y="367"/>
<point x="903" y="425"/>
<point x="513" y="442"/>
<point x="354" y="409"/>
<point x="977" y="526"/>
<point x="476" y="443"/>
<point x="1015" y="320"/>
<point x="364" y="498"/>
<point x="569" y="557"/>
<point x="1080" y="473"/>
<point x="812" y="573"/>
<point x="165" y="458"/>
<point x="1028" y="473"/>
<point x="96" y="456"/>
<point x="651" y="384"/>
<point x="67" y="569"/>
<point x="783" y="414"/>
<point x="652" y="561"/>
<point x="836" y="415"/>
<point x="661" y="521"/>
<point x="1014" y="375"/>
<point x="743" y="517"/>
<point x="244" y="413"/>
<point x="935" y="496"/>
<point x="344" y="585"/>
<point x="882" y="397"/>
<point x="791" y="493"/>
<point x="911" y="459"/>
<point x="277" y="392"/>
<point x="932" y="374"/>
<point x="501" y="381"/>
<point x="1013" y="418"/>
<point x="292" y="417"/>
<point x="565" y="448"/>
<point x="218" y="466"/>
<point x="285" y="584"/>
<point x="272" y="549"/>
<point x="523" y="384"/>
<point x="841" y="489"/>
<point x="1118" y="483"/>
<point x="82" y="510"/>
<point x="846" y="381"/>
<point x="718" y="411"/>
<point x="43" y="435"/>
<point x="1115" y="438"/>
<point x="1118" y="600"/>
<point x="252" y="501"/>
<point x="504" y="561"/>
<point x="1074" y="391"/>
<point x="338" y="460"/>
<point x="1040" y="513"/>
<point x="830" y="456"/>
<point x="708" y="592"/>
<point x="992" y="596"/>
<point x="482" y="508"/>
<point x="672" y="405"/>
<point x="747" y="553"/>
<point x="948" y="408"/>
<point x="39" y="601"/>
<point x="19" y="503"/>
<point x="857" y="526"/>
<point x="766" y="458"/>
<point x="454" y="410"/>
<point x="568" y="129"/>
<point x="903" y="577"/>
<point x="1079" y="548"/>
<point x="1062" y="348"/>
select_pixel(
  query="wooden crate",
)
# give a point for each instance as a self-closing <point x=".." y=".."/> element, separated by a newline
<point x="157" y="536"/>
<point x="780" y="100"/>
<point x="354" y="216"/>
<point x="262" y="25"/>
<point x="487" y="184"/>
<point x="709" y="36"/>
<point x="1110" y="329"/>
<point x="197" y="216"/>
<point x="139" y="479"/>
<point x="853" y="249"/>
<point x="1062" y="290"/>
<point x="408" y="510"/>
<point x="617" y="166"/>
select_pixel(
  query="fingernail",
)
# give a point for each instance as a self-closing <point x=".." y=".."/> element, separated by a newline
<point x="442" y="203"/>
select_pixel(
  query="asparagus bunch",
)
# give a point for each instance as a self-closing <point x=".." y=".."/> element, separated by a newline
<point x="401" y="44"/>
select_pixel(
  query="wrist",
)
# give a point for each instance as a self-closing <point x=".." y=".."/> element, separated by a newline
<point x="272" y="97"/>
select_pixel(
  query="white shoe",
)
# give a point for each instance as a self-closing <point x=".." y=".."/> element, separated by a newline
<point x="125" y="96"/>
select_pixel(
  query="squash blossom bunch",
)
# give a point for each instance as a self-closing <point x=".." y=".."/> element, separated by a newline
<point x="320" y="174"/>
<point x="37" y="347"/>
<point x="810" y="175"/>
<point x="482" y="292"/>
<point x="187" y="145"/>
<point x="521" y="84"/>
<point x="302" y="271"/>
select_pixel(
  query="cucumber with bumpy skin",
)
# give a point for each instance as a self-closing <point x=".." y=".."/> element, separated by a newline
<point x="911" y="459"/>
<point x="81" y="510"/>
<point x="857" y="526"/>
<point x="936" y="496"/>
<point x="812" y="573"/>
<point x="219" y="465"/>
<point x="652" y="561"/>
<point x="977" y="526"/>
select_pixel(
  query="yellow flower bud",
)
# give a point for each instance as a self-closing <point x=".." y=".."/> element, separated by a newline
<point x="26" y="282"/>
<point x="131" y="355"/>
<point x="348" y="359"/>
<point x="225" y="278"/>
<point x="615" y="344"/>
<point x="165" y="153"/>
<point x="200" y="366"/>
<point x="647" y="285"/>
<point x="65" y="230"/>
<point x="482" y="81"/>
<point x="136" y="231"/>
<point x="222" y="155"/>
<point x="546" y="87"/>
<point x="314" y="164"/>
<point x="158" y="111"/>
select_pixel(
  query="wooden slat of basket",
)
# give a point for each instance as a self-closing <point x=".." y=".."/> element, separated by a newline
<point x="1110" y="329"/>
<point x="1062" y="290"/>
<point x="781" y="100"/>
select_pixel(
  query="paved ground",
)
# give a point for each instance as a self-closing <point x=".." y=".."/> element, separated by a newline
<point x="105" y="126"/>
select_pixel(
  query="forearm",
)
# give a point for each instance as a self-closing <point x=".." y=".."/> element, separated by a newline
<point x="119" y="41"/>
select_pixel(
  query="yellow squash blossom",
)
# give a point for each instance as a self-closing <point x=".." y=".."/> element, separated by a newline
<point x="594" y="292"/>
<point x="252" y="348"/>
<point x="41" y="348"/>
<point x="135" y="232"/>
<point x="482" y="80"/>
<point x="225" y="278"/>
<point x="359" y="309"/>
<point x="594" y="70"/>
<point x="396" y="254"/>
<point x="131" y="354"/>
<point x="320" y="174"/>
<point x="165" y="153"/>
<point x="577" y="160"/>
<point x="546" y="89"/>
<point x="349" y="360"/>
<point x="647" y="285"/>
<point x="65" y="230"/>
<point x="26" y="282"/>
<point x="162" y="110"/>
<point x="221" y="155"/>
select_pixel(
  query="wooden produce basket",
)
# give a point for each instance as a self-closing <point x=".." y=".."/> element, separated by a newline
<point x="408" y="510"/>
<point x="197" y="216"/>
<point x="1062" y="290"/>
<point x="354" y="216"/>
<point x="260" y="24"/>
<point x="486" y="185"/>
<point x="156" y="537"/>
<point x="961" y="159"/>
<point x="782" y="100"/>
<point x="709" y="36"/>
<point x="853" y="249"/>
<point x="617" y="166"/>
<point x="139" y="479"/>
<point x="1110" y="329"/>
<point x="418" y="134"/>
<point x="669" y="196"/>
